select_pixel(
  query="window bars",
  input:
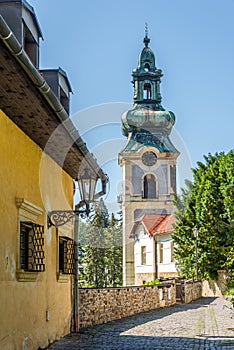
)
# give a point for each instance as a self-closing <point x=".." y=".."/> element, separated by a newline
<point x="32" y="253"/>
<point x="31" y="247"/>
<point x="66" y="255"/>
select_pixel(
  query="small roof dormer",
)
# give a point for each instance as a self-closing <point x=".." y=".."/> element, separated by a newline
<point x="58" y="81"/>
<point x="22" y="19"/>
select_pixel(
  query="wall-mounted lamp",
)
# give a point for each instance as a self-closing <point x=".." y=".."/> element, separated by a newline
<point x="87" y="185"/>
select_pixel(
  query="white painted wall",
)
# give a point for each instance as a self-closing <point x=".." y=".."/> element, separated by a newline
<point x="143" y="239"/>
<point x="167" y="265"/>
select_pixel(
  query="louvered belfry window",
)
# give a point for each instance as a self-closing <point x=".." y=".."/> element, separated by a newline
<point x="66" y="255"/>
<point x="32" y="253"/>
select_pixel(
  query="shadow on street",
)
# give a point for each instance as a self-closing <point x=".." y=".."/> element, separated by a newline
<point x="183" y="326"/>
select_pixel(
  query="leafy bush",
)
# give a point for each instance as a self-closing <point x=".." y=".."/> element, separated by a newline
<point x="152" y="283"/>
<point x="229" y="291"/>
<point x="208" y="204"/>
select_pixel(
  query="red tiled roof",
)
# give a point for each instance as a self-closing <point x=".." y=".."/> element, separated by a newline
<point x="149" y="220"/>
<point x="165" y="226"/>
<point x="155" y="224"/>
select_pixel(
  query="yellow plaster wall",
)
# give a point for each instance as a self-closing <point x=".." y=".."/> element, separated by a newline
<point x="24" y="305"/>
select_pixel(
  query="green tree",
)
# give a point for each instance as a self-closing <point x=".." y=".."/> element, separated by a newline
<point x="113" y="234"/>
<point x="184" y="250"/>
<point x="95" y="252"/>
<point x="208" y="204"/>
<point x="101" y="245"/>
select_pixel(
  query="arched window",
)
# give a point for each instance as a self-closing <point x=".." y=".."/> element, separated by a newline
<point x="147" y="91"/>
<point x="146" y="67"/>
<point x="149" y="186"/>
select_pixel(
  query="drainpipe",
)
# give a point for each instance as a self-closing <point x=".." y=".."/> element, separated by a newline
<point x="76" y="274"/>
<point x="156" y="256"/>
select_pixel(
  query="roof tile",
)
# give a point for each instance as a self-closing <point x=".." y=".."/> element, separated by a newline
<point x="155" y="224"/>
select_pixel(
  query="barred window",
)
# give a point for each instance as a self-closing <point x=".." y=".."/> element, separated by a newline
<point x="66" y="255"/>
<point x="31" y="247"/>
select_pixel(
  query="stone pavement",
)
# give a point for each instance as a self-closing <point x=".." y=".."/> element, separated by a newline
<point x="206" y="323"/>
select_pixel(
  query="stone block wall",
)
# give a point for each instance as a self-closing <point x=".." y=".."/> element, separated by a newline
<point x="101" y="305"/>
<point x="193" y="291"/>
<point x="140" y="278"/>
<point x="212" y="288"/>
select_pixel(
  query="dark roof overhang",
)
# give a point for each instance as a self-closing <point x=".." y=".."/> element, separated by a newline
<point x="29" y="102"/>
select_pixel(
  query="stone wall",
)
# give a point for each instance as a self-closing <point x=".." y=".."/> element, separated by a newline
<point x="212" y="288"/>
<point x="141" y="278"/>
<point x="192" y="291"/>
<point x="102" y="305"/>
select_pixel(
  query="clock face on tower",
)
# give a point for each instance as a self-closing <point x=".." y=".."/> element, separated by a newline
<point x="149" y="158"/>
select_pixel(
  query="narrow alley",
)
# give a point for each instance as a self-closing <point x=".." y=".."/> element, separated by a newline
<point x="207" y="323"/>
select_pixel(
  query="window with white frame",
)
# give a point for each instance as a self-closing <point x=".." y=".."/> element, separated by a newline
<point x="143" y="255"/>
<point x="31" y="241"/>
<point x="161" y="257"/>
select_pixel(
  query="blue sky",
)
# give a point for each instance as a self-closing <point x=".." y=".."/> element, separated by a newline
<point x="98" y="42"/>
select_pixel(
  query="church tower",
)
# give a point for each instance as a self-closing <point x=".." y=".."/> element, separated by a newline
<point x="148" y="159"/>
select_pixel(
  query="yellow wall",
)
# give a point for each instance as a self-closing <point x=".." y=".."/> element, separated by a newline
<point x="24" y="305"/>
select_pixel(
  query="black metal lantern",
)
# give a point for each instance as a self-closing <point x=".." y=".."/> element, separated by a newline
<point x="87" y="185"/>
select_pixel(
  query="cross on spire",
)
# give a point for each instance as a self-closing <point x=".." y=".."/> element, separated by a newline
<point x="146" y="29"/>
<point x="146" y="39"/>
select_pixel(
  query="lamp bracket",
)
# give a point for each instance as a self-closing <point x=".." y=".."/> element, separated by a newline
<point x="61" y="217"/>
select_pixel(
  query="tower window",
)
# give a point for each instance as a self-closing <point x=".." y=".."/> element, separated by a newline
<point x="147" y="67"/>
<point x="147" y="91"/>
<point x="149" y="186"/>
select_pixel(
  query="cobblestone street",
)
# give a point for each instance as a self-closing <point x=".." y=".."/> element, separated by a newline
<point x="206" y="323"/>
